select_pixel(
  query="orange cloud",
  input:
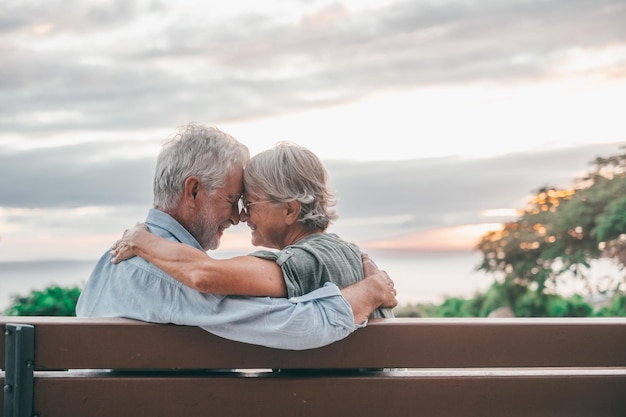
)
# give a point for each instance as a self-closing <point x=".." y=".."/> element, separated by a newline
<point x="456" y="238"/>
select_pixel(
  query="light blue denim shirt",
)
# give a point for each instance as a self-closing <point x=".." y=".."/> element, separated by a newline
<point x="138" y="290"/>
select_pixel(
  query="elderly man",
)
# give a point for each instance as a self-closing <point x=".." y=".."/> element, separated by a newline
<point x="197" y="187"/>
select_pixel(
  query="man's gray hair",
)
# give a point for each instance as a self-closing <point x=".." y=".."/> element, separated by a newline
<point x="195" y="150"/>
<point x="289" y="172"/>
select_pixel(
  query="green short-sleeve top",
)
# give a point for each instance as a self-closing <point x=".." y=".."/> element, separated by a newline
<point x="317" y="259"/>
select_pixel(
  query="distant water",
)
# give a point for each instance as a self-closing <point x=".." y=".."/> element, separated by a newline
<point x="19" y="278"/>
<point x="419" y="277"/>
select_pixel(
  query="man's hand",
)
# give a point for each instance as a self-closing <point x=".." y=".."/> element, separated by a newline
<point x="375" y="290"/>
<point x="387" y="291"/>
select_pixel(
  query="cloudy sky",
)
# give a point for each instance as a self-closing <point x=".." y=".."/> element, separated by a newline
<point x="433" y="117"/>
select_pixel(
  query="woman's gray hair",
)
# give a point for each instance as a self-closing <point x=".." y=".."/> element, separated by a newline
<point x="289" y="172"/>
<point x="195" y="150"/>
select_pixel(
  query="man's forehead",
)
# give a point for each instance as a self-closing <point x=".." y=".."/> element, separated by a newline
<point x="232" y="190"/>
<point x="234" y="184"/>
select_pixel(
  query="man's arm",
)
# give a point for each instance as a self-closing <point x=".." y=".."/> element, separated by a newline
<point x="376" y="290"/>
<point x="316" y="319"/>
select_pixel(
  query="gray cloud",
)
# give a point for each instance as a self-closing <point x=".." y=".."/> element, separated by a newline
<point x="71" y="16"/>
<point x="449" y="191"/>
<point x="205" y="69"/>
<point x="428" y="193"/>
<point x="73" y="176"/>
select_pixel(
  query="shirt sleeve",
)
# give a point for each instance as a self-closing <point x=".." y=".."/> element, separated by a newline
<point x="136" y="289"/>
<point x="302" y="271"/>
<point x="310" y="321"/>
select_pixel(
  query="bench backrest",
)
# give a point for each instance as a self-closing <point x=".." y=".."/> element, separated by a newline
<point x="469" y="367"/>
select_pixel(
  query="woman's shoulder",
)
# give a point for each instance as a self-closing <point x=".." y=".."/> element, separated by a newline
<point x="322" y="238"/>
<point x="265" y="254"/>
<point x="326" y="242"/>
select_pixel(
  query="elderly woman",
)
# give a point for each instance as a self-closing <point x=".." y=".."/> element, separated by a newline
<point x="288" y="207"/>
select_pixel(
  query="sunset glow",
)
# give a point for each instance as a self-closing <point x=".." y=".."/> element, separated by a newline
<point x="459" y="238"/>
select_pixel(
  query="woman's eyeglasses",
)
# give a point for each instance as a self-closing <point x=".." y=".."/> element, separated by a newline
<point x="240" y="204"/>
<point x="245" y="205"/>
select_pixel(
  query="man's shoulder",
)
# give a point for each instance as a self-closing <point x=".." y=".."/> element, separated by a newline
<point x="124" y="289"/>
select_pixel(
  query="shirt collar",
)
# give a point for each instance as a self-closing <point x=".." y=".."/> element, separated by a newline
<point x="161" y="220"/>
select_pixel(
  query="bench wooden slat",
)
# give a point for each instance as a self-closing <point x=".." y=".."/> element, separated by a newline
<point x="371" y="395"/>
<point x="405" y="343"/>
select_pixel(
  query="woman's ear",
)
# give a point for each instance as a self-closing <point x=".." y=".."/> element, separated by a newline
<point x="293" y="212"/>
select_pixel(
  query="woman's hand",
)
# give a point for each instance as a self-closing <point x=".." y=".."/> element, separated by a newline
<point x="124" y="249"/>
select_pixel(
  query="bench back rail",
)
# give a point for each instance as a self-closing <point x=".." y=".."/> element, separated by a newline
<point x="469" y="367"/>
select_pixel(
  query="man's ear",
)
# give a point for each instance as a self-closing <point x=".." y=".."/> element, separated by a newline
<point x="191" y="187"/>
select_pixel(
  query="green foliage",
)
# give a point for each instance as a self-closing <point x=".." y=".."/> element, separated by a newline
<point x="612" y="222"/>
<point x="456" y="307"/>
<point x="617" y="307"/>
<point x="52" y="301"/>
<point x="533" y="304"/>
<point x="528" y="303"/>
<point x="414" y="310"/>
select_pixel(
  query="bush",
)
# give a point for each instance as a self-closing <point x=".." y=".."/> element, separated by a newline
<point x="414" y="310"/>
<point x="529" y="304"/>
<point x="52" y="301"/>
<point x="617" y="308"/>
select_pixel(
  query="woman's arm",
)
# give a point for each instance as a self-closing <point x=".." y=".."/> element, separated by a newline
<point x="241" y="275"/>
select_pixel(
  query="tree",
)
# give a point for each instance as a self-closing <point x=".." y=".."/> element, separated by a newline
<point x="559" y="234"/>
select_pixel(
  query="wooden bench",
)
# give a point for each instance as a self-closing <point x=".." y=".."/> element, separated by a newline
<point x="455" y="367"/>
